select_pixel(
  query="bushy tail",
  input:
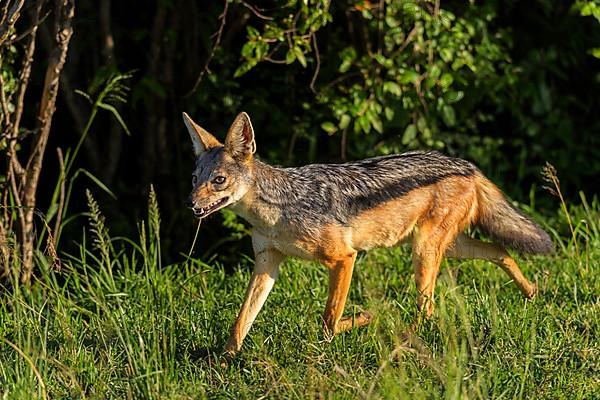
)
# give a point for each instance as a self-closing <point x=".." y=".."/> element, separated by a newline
<point x="497" y="218"/>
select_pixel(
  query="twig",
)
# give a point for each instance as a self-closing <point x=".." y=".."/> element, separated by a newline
<point x="223" y="18"/>
<point x="9" y="19"/>
<point x="341" y="78"/>
<point x="256" y="12"/>
<point x="28" y="31"/>
<point x="5" y="113"/>
<point x="318" y="67"/>
<point x="274" y="61"/>
<point x="406" y="42"/>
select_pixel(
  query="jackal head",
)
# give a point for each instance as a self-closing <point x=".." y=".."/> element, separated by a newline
<point x="224" y="172"/>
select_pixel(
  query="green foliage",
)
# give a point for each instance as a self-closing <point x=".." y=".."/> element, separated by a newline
<point x="291" y="35"/>
<point x="424" y="63"/>
<point x="398" y="75"/>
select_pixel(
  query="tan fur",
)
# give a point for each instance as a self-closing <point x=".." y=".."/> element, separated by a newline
<point x="391" y="222"/>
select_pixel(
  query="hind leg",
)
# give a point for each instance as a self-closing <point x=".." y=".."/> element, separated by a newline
<point x="469" y="248"/>
<point x="429" y="246"/>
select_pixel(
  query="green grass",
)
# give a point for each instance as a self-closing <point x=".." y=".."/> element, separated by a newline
<point x="114" y="324"/>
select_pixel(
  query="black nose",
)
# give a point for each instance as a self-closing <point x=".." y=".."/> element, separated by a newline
<point x="189" y="203"/>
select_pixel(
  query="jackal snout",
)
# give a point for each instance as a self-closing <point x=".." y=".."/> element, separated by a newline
<point x="189" y="202"/>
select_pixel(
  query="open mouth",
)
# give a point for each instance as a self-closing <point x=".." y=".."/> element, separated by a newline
<point x="209" y="209"/>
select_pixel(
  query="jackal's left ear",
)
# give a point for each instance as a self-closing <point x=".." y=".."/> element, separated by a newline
<point x="240" y="138"/>
<point x="201" y="139"/>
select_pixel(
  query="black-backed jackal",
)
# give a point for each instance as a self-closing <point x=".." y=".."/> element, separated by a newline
<point x="328" y="212"/>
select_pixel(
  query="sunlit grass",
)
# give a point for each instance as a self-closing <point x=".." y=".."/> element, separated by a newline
<point x="113" y="324"/>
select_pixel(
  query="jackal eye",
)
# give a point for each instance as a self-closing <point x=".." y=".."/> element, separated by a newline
<point x="219" y="180"/>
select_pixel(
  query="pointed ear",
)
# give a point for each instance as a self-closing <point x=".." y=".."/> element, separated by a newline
<point x="201" y="139"/>
<point x="240" y="138"/>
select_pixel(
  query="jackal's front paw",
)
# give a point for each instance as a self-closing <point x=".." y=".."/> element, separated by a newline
<point x="531" y="292"/>
<point x="231" y="348"/>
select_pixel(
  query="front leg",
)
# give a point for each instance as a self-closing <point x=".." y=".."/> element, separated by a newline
<point x="340" y="275"/>
<point x="265" y="273"/>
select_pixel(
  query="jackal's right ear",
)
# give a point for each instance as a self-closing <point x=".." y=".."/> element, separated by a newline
<point x="240" y="138"/>
<point x="201" y="139"/>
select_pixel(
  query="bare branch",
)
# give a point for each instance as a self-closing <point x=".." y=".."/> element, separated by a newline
<point x="14" y="164"/>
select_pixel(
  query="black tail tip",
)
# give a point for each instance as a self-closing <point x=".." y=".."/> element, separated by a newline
<point x="540" y="245"/>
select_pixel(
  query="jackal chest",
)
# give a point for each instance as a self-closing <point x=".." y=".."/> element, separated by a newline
<point x="285" y="242"/>
<point x="272" y="230"/>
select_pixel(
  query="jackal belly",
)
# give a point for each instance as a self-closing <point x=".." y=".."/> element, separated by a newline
<point x="390" y="223"/>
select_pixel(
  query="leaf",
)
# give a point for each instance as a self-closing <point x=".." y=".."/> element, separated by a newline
<point x="448" y="115"/>
<point x="290" y="57"/>
<point x="446" y="55"/>
<point x="253" y="33"/>
<point x="595" y="52"/>
<point x="409" y="76"/>
<point x="248" y="49"/>
<point x="51" y="212"/>
<point x="410" y="133"/>
<point x="345" y="66"/>
<point x="393" y="88"/>
<point x="242" y="69"/>
<point x="344" y="121"/>
<point x="114" y="111"/>
<point x="299" y="55"/>
<point x="363" y="121"/>
<point x="261" y="50"/>
<point x="348" y="55"/>
<point x="389" y="113"/>
<point x="454" y="96"/>
<point x="97" y="181"/>
<point x="329" y="127"/>
<point x="391" y="21"/>
<point x="85" y="95"/>
<point x="446" y="80"/>
<point x="376" y="123"/>
<point x="422" y="124"/>
<point x="434" y="72"/>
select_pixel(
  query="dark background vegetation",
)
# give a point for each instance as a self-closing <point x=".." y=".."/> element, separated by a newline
<point x="506" y="84"/>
